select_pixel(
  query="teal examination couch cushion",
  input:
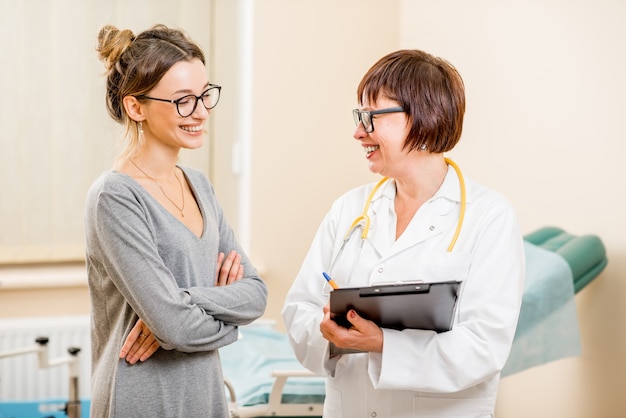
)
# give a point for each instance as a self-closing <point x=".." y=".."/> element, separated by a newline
<point x="558" y="265"/>
<point x="585" y="254"/>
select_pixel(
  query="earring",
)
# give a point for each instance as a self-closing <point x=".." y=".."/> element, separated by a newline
<point x="140" y="137"/>
<point x="423" y="147"/>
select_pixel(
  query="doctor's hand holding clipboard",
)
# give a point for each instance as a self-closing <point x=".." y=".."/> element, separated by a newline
<point x="362" y="335"/>
<point x="358" y="334"/>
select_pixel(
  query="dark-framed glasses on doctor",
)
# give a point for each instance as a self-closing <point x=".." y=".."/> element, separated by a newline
<point x="366" y="116"/>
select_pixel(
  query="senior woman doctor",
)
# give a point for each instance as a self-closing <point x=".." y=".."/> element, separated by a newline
<point x="411" y="112"/>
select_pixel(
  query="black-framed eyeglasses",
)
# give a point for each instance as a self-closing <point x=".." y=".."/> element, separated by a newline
<point x="365" y="116"/>
<point x="186" y="105"/>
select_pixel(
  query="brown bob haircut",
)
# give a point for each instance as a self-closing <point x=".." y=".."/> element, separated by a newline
<point x="429" y="89"/>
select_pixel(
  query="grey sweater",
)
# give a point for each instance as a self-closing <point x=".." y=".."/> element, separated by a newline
<point x="143" y="263"/>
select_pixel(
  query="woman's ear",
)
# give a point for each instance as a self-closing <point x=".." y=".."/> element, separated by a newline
<point x="134" y="108"/>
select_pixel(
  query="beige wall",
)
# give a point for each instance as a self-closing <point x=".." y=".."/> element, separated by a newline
<point x="545" y="93"/>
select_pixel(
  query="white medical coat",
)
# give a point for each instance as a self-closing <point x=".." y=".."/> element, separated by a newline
<point x="419" y="373"/>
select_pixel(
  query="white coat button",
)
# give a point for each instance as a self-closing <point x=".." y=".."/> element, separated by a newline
<point x="373" y="414"/>
<point x="381" y="269"/>
<point x="432" y="228"/>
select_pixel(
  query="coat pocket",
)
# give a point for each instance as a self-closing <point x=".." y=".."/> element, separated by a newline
<point x="440" y="267"/>
<point x="427" y="407"/>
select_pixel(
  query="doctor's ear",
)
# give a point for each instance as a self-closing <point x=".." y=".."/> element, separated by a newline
<point x="133" y="108"/>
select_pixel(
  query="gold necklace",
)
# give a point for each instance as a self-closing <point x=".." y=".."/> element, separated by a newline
<point x="182" y="191"/>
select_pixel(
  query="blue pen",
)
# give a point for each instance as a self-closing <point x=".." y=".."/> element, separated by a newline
<point x="330" y="281"/>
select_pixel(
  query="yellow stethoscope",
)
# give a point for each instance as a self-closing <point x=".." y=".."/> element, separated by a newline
<point x="363" y="221"/>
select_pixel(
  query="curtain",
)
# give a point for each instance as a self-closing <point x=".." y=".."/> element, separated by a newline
<point x="55" y="134"/>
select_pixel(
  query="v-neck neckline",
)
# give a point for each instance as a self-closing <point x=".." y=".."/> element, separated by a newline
<point x="197" y="201"/>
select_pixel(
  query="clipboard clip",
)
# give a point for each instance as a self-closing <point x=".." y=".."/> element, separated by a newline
<point x="400" y="289"/>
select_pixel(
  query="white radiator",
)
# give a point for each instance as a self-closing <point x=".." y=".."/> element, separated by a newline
<point x="21" y="379"/>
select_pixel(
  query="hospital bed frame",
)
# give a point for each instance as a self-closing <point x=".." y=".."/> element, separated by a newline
<point x="72" y="407"/>
<point x="275" y="407"/>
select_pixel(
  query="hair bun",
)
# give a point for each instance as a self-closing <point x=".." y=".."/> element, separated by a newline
<point x="112" y="43"/>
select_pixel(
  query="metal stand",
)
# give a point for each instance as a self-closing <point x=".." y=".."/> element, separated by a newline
<point x="72" y="408"/>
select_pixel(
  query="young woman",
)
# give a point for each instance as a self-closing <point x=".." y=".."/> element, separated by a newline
<point x="169" y="283"/>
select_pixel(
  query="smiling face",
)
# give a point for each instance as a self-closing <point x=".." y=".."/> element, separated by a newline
<point x="163" y="126"/>
<point x="384" y="147"/>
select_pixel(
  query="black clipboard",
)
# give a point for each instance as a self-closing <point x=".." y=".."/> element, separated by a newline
<point x="420" y="305"/>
